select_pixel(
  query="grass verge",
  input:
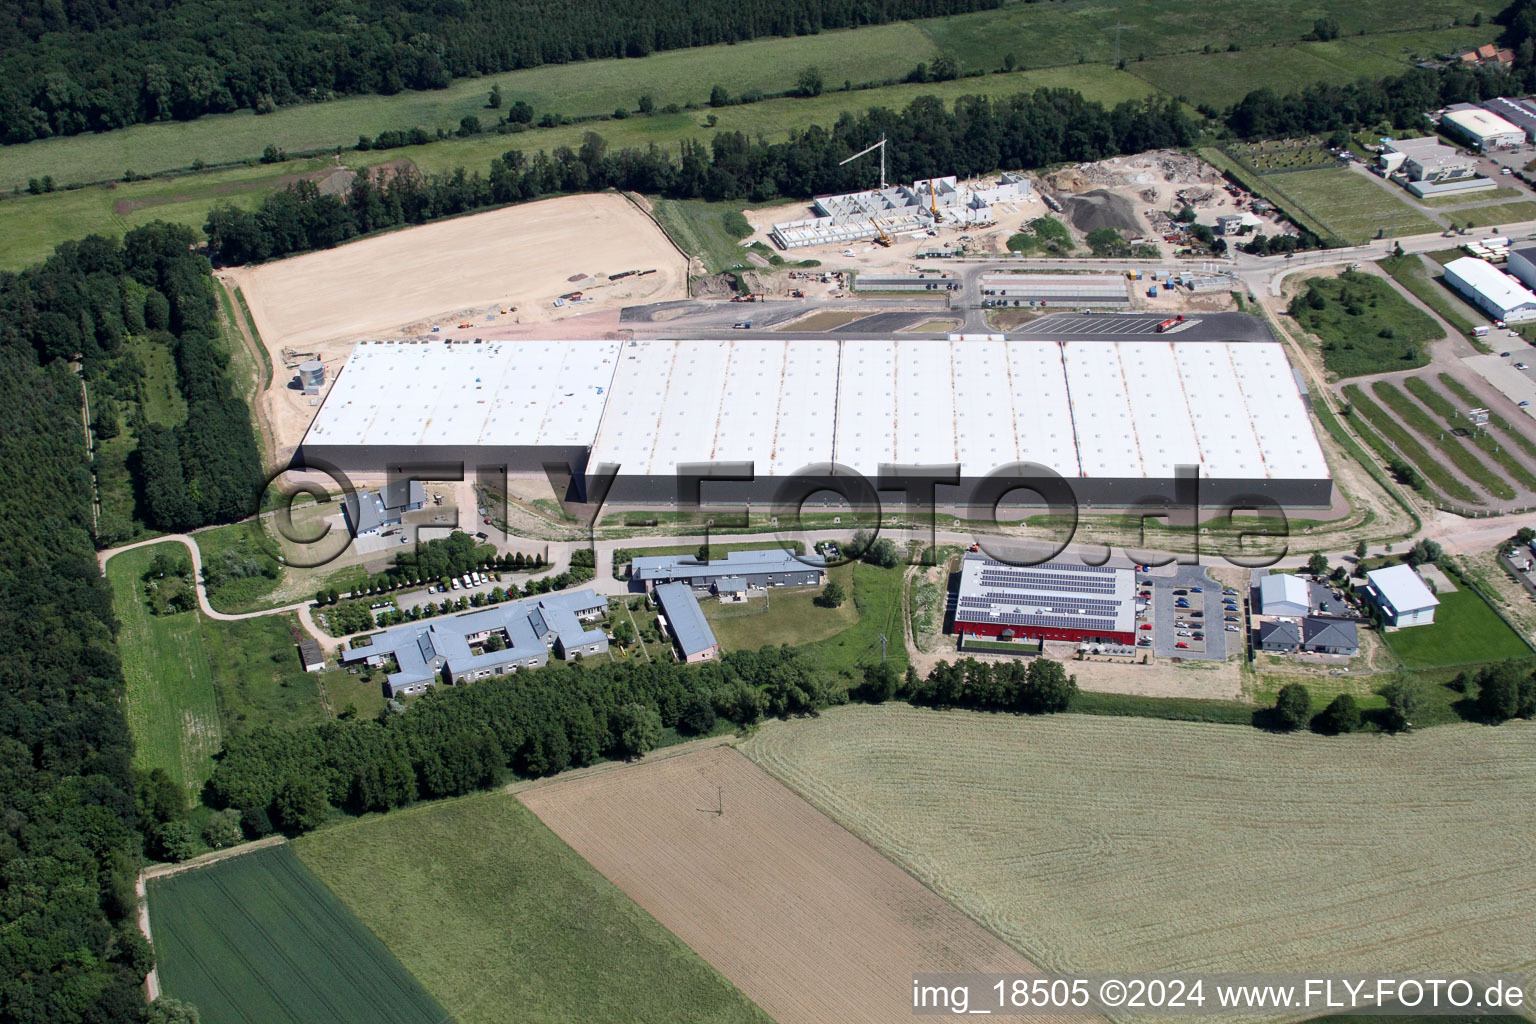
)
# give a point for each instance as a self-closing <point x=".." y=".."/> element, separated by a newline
<point x="1484" y="441"/>
<point x="1404" y="445"/>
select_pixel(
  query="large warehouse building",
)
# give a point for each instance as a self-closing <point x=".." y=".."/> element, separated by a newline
<point x="1049" y="601"/>
<point x="1113" y="419"/>
<point x="1491" y="290"/>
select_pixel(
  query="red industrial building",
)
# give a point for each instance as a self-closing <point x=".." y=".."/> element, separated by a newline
<point x="1049" y="601"/>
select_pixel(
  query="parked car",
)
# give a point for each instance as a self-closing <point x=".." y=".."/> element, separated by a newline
<point x="1523" y="403"/>
<point x="1144" y="642"/>
<point x="455" y="583"/>
<point x="1197" y="615"/>
<point x="1182" y="632"/>
<point x="1145" y="625"/>
<point x="1181" y="591"/>
<point x="1505" y="355"/>
<point x="1181" y="643"/>
<point x="1232" y="629"/>
<point x="1232" y="618"/>
<point x="1520" y="366"/>
<point x="1199" y="636"/>
<point x="1196" y="590"/>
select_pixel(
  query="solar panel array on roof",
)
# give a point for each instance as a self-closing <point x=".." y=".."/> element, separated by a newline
<point x="1053" y="595"/>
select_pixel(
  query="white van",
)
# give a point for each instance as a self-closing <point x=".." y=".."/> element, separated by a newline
<point x="455" y="583"/>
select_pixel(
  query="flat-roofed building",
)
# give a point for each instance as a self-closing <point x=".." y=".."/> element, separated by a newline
<point x="1284" y="595"/>
<point x="1049" y="601"/>
<point x="737" y="572"/>
<point x="1496" y="293"/>
<point x="690" y="631"/>
<point x="1481" y="128"/>
<point x="492" y="641"/>
<point x="1401" y="595"/>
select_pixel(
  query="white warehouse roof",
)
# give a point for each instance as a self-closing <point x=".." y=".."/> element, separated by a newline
<point x="464" y="393"/>
<point x="1089" y="410"/>
<point x="1481" y="124"/>
<point x="1402" y="588"/>
<point x="1086" y="409"/>
<point x="1491" y="283"/>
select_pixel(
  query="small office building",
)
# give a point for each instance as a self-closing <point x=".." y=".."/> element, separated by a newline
<point x="369" y="512"/>
<point x="685" y="620"/>
<point x="1402" y="596"/>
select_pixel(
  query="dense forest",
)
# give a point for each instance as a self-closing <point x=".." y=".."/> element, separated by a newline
<point x="86" y="303"/>
<point x="976" y="136"/>
<point x="69" y="844"/>
<point x="86" y="66"/>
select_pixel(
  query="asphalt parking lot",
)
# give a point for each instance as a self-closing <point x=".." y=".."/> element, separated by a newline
<point x="1165" y="617"/>
<point x="1227" y="326"/>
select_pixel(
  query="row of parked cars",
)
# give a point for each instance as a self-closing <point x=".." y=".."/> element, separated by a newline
<point x="468" y="580"/>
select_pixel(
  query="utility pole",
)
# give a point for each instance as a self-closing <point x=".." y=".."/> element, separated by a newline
<point x="720" y="801"/>
<point x="882" y="648"/>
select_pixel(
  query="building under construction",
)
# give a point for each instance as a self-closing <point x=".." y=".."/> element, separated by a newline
<point x="885" y="213"/>
<point x="1113" y="419"/>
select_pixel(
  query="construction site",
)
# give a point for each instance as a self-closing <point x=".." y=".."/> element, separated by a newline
<point x="886" y="229"/>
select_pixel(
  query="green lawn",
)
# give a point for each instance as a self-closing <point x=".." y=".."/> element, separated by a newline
<point x="258" y="939"/>
<point x="1442" y="439"/>
<point x="502" y="921"/>
<point x="876" y="594"/>
<point x="1358" y="310"/>
<point x="1349" y="204"/>
<point x="1412" y="274"/>
<point x="787" y="616"/>
<point x="1482" y="439"/>
<point x="1492" y="216"/>
<point x="1465" y="632"/>
<point x="173" y="709"/>
<point x="1403" y="444"/>
<point x="193" y="680"/>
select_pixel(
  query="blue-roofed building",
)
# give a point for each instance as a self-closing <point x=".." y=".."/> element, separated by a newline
<point x="685" y="620"/>
<point x="757" y="570"/>
<point x="489" y="642"/>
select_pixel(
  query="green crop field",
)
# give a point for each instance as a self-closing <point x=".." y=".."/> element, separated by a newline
<point x="1209" y="78"/>
<point x="1349" y="204"/>
<point x="1442" y="439"/>
<point x="1465" y="632"/>
<point x="504" y="922"/>
<point x="1118" y="844"/>
<point x="257" y="939"/>
<point x="1492" y="216"/>
<point x="173" y="710"/>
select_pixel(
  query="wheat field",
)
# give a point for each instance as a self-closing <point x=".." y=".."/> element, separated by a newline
<point x="1121" y="844"/>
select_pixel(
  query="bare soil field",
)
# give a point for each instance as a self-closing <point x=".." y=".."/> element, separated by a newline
<point x="1127" y="844"/>
<point x="807" y="921"/>
<point x="465" y="270"/>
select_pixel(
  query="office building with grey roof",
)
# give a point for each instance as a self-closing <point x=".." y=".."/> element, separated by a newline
<point x="685" y="621"/>
<point x="489" y="642"/>
<point x="737" y="571"/>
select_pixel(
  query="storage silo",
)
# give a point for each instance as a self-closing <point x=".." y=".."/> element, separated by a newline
<point x="311" y="376"/>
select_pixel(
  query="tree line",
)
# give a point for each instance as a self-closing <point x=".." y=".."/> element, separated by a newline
<point x="90" y="67"/>
<point x="976" y="136"/>
<point x="69" y="839"/>
<point x="87" y="303"/>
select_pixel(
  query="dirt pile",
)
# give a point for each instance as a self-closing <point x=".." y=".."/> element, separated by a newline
<point x="1101" y="209"/>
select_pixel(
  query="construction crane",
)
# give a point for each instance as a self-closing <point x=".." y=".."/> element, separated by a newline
<point x="881" y="147"/>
